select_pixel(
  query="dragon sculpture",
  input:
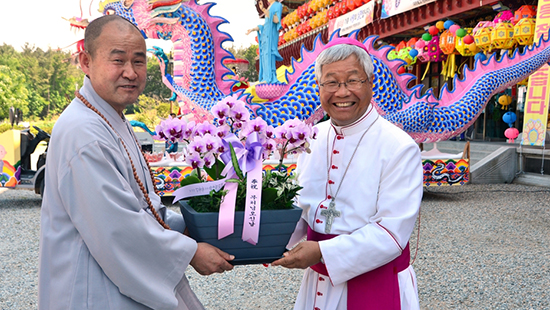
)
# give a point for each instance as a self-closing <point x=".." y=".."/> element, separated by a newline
<point x="199" y="74"/>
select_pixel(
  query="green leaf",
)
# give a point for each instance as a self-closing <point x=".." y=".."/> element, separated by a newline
<point x="269" y="194"/>
<point x="189" y="180"/>
<point x="235" y="162"/>
<point x="215" y="172"/>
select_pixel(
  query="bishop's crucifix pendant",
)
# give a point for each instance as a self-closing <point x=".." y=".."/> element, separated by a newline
<point x="330" y="214"/>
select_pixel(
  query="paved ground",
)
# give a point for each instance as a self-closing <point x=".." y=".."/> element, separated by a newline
<point x="480" y="247"/>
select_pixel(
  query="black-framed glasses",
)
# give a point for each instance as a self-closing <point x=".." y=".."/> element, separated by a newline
<point x="334" y="86"/>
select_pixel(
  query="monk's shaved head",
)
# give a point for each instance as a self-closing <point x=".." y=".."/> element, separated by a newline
<point x="94" y="29"/>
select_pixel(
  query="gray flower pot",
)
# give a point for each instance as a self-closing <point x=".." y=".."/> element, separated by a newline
<point x="276" y="227"/>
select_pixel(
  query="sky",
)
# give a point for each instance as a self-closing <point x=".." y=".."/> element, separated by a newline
<point x="42" y="25"/>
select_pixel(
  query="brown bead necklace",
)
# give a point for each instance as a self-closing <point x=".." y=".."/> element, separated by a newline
<point x="136" y="177"/>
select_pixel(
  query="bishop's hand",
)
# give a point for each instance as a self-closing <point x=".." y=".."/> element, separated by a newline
<point x="302" y="256"/>
<point x="209" y="259"/>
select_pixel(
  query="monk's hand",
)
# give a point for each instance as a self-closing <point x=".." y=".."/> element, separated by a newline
<point x="208" y="260"/>
<point x="302" y="256"/>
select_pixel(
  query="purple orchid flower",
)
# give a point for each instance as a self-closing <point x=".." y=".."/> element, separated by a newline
<point x="222" y="131"/>
<point x="211" y="143"/>
<point x="209" y="160"/>
<point x="197" y="145"/>
<point x="170" y="129"/>
<point x="205" y="128"/>
<point x="220" y="110"/>
<point x="239" y="112"/>
<point x="195" y="160"/>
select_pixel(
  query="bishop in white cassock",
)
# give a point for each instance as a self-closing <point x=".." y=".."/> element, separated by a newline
<point x="361" y="197"/>
<point x="101" y="247"/>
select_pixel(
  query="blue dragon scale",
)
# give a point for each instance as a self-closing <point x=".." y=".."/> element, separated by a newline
<point x="199" y="78"/>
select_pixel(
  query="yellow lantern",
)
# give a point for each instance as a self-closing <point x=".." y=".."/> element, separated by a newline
<point x="524" y="31"/>
<point x="483" y="39"/>
<point x="502" y="36"/>
<point x="466" y="49"/>
<point x="504" y="101"/>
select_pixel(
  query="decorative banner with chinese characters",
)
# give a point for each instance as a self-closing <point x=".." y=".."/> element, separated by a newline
<point x="538" y="89"/>
<point x="353" y="20"/>
<point x="394" y="7"/>
<point x="251" y="223"/>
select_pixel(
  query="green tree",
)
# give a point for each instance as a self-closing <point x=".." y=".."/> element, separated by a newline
<point x="49" y="76"/>
<point x="250" y="54"/>
<point x="155" y="87"/>
<point x="12" y="91"/>
<point x="151" y="111"/>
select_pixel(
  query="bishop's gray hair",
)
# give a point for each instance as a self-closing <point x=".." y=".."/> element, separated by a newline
<point x="341" y="52"/>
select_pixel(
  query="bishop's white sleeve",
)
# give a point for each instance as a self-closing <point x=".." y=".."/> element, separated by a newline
<point x="144" y="260"/>
<point x="388" y="232"/>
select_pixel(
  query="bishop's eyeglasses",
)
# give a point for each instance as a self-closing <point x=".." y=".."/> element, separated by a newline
<point x="334" y="86"/>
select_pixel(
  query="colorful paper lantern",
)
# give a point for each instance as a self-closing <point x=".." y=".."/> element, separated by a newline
<point x="511" y="134"/>
<point x="483" y="39"/>
<point x="524" y="31"/>
<point x="433" y="30"/>
<point x="466" y="46"/>
<point x="525" y="11"/>
<point x="427" y="37"/>
<point x="423" y="53"/>
<point x="440" y="25"/>
<point x="351" y="4"/>
<point x="461" y="33"/>
<point x="504" y="101"/>
<point x="392" y="54"/>
<point x="480" y="56"/>
<point x="447" y="42"/>
<point x="405" y="54"/>
<point x="434" y="51"/>
<point x="502" y="36"/>
<point x="401" y="45"/>
<point x="448" y="23"/>
<point x="468" y="39"/>
<point x="504" y="17"/>
<point x="454" y="28"/>
<point x="412" y="42"/>
<point x="509" y="117"/>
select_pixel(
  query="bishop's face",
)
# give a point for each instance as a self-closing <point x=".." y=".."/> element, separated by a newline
<point x="345" y="106"/>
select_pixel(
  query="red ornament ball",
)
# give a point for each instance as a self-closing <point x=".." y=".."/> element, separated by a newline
<point x="469" y="39"/>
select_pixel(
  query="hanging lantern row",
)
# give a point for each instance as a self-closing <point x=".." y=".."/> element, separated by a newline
<point x="314" y="14"/>
<point x="505" y="32"/>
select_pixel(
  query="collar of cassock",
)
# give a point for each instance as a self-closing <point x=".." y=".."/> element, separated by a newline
<point x="359" y="125"/>
<point x="105" y="108"/>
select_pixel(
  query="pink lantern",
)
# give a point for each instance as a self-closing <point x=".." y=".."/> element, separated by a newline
<point x="504" y="16"/>
<point x="434" y="51"/>
<point x="511" y="133"/>
<point x="454" y="28"/>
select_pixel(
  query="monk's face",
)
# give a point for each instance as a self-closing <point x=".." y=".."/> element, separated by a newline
<point x="345" y="106"/>
<point x="118" y="67"/>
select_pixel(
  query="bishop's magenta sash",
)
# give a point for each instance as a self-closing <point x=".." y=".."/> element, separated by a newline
<point x="378" y="289"/>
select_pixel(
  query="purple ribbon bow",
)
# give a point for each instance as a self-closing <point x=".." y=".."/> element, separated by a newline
<point x="247" y="155"/>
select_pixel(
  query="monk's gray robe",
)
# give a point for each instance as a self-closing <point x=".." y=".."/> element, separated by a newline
<point x="100" y="248"/>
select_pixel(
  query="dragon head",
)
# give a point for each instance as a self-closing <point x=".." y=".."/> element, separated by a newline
<point x="121" y="8"/>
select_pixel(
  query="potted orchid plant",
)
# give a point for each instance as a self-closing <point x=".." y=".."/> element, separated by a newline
<point x="228" y="185"/>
